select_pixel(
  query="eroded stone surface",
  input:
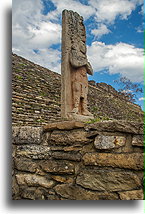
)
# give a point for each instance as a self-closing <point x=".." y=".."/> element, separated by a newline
<point x="73" y="137"/>
<point x="33" y="151"/>
<point x="64" y="125"/>
<point x="138" y="140"/>
<point x="66" y="156"/>
<point x="26" y="135"/>
<point x="132" y="195"/>
<point x="104" y="180"/>
<point x="117" y="126"/>
<point x="24" y="164"/>
<point x="109" y="142"/>
<point x="77" y="193"/>
<point x="34" y="180"/>
<point x="129" y="161"/>
<point x="59" y="167"/>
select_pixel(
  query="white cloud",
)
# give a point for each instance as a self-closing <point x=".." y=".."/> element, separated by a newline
<point x="108" y="10"/>
<point x="141" y="98"/>
<point x="120" y="58"/>
<point x="32" y="30"/>
<point x="102" y="30"/>
<point x="46" y="57"/>
<point x="84" y="10"/>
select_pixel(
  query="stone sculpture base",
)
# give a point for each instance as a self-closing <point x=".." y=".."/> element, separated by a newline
<point x="78" y="117"/>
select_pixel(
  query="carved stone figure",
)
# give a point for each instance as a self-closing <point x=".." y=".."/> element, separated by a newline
<point x="75" y="67"/>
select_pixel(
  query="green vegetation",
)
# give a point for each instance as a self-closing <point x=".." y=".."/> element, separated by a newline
<point x="43" y="94"/>
<point x="94" y="108"/>
<point x="40" y="120"/>
<point x="22" y="64"/>
<point x="19" y="77"/>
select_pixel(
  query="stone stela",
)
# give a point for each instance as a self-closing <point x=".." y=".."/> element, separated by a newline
<point x="74" y="68"/>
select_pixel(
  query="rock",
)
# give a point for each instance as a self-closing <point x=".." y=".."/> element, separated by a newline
<point x="132" y="195"/>
<point x="15" y="189"/>
<point x="117" y="126"/>
<point x="26" y="135"/>
<point x="26" y="165"/>
<point x="103" y="180"/>
<point x="66" y="156"/>
<point x="109" y="142"/>
<point x="72" y="192"/>
<point x="82" y="118"/>
<point x="34" y="180"/>
<point x="129" y="161"/>
<point x="65" y="125"/>
<point x="33" y="151"/>
<point x="72" y="137"/>
<point x="58" y="167"/>
<point x="28" y="193"/>
<point x="138" y="140"/>
<point x="62" y="179"/>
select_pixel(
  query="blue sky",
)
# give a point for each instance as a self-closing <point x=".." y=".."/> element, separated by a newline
<point x="114" y="36"/>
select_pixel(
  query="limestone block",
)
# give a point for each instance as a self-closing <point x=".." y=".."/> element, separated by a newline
<point x="117" y="126"/>
<point x="58" y="167"/>
<point x="129" y="161"/>
<point x="138" y="140"/>
<point x="72" y="137"/>
<point x="33" y="151"/>
<point x="26" y="165"/>
<point x="132" y="195"/>
<point x="66" y="156"/>
<point x="28" y="193"/>
<point x="72" y="192"/>
<point x="109" y="142"/>
<point x="34" y="180"/>
<point x="65" y="125"/>
<point x="103" y="180"/>
<point x="26" y="135"/>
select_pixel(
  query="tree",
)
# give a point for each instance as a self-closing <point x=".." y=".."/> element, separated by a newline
<point x="128" y="88"/>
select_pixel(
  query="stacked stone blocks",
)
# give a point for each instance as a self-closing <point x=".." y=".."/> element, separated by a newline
<point x="71" y="160"/>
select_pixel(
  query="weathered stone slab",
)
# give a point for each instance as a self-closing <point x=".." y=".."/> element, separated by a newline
<point x="77" y="193"/>
<point x="104" y="180"/>
<point x="64" y="125"/>
<point x="26" y="135"/>
<point x="33" y="151"/>
<point x="58" y="167"/>
<point x="132" y="195"/>
<point x="66" y="156"/>
<point x="138" y="140"/>
<point x="34" y="180"/>
<point x="109" y="142"/>
<point x="28" y="193"/>
<point x="73" y="137"/>
<point x="27" y="165"/>
<point x="129" y="161"/>
<point x="117" y="126"/>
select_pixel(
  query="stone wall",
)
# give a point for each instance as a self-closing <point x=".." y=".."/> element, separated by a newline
<point x="77" y="161"/>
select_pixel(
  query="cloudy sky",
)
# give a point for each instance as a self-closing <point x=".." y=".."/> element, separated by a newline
<point x="114" y="35"/>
